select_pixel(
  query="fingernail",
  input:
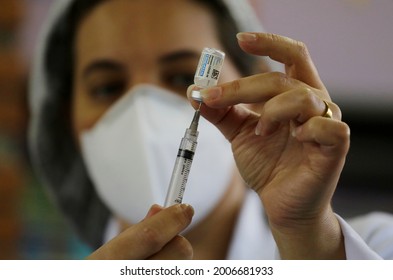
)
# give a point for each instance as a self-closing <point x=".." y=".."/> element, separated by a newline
<point x="246" y="37"/>
<point x="295" y="131"/>
<point x="188" y="209"/>
<point x="211" y="93"/>
<point x="153" y="210"/>
<point x="258" y="129"/>
<point x="189" y="90"/>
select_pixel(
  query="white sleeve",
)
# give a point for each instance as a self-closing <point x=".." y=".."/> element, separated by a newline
<point x="368" y="237"/>
<point x="357" y="247"/>
<point x="376" y="229"/>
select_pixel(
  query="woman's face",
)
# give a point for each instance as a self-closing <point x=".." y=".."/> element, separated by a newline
<point x="122" y="43"/>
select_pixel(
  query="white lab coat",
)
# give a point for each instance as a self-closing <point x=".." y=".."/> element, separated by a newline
<point x="368" y="237"/>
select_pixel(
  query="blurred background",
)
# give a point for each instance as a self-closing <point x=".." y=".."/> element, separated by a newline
<point x="351" y="42"/>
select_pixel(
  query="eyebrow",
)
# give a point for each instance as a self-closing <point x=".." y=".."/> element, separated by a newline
<point x="178" y="55"/>
<point x="106" y="64"/>
<point x="103" y="64"/>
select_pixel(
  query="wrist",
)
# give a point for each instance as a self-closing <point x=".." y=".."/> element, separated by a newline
<point x="318" y="238"/>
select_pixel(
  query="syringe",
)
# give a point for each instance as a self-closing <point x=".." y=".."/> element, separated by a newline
<point x="206" y="75"/>
<point x="183" y="163"/>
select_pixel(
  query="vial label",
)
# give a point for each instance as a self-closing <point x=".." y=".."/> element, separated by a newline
<point x="209" y="68"/>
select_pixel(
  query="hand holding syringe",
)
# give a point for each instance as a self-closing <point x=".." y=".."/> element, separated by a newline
<point x="206" y="75"/>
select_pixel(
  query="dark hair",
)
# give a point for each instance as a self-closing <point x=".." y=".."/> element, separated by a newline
<point x="226" y="30"/>
<point x="80" y="203"/>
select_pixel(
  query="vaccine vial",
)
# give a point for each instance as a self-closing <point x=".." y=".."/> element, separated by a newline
<point x="208" y="71"/>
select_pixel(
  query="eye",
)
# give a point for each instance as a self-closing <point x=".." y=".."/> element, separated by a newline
<point x="179" y="81"/>
<point x="107" y="90"/>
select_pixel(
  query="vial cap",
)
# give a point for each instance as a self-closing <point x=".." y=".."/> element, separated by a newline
<point x="196" y="95"/>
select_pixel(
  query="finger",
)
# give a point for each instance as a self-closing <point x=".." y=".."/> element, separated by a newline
<point x="293" y="54"/>
<point x="298" y="105"/>
<point x="251" y="89"/>
<point x="326" y="132"/>
<point x="215" y="116"/>
<point x="179" y="248"/>
<point x="154" y="209"/>
<point x="228" y="120"/>
<point x="149" y="236"/>
<point x="329" y="139"/>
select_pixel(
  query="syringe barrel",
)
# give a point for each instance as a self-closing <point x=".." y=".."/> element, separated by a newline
<point x="181" y="169"/>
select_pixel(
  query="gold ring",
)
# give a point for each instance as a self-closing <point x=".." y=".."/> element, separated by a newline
<point x="328" y="112"/>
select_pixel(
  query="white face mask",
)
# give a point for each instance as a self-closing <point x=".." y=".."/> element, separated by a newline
<point x="131" y="151"/>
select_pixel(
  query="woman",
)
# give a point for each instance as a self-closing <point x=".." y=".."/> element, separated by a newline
<point x="108" y="99"/>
